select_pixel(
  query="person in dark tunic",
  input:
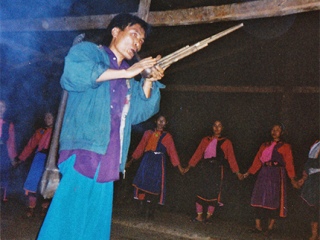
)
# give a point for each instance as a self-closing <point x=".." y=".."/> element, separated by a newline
<point x="212" y="154"/>
<point x="274" y="159"/>
<point x="150" y="180"/>
<point x="310" y="190"/>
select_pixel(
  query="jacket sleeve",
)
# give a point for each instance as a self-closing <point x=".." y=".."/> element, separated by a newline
<point x="138" y="152"/>
<point x="31" y="145"/>
<point x="83" y="66"/>
<point x="168" y="142"/>
<point x="141" y="107"/>
<point x="198" y="155"/>
<point x="256" y="165"/>
<point x="286" y="152"/>
<point x="227" y="148"/>
<point x="11" y="144"/>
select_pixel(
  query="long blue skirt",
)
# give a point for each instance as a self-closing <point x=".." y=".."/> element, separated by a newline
<point x="35" y="173"/>
<point x="5" y="166"/>
<point x="80" y="209"/>
<point x="151" y="176"/>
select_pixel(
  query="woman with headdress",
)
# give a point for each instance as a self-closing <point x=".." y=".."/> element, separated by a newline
<point x="310" y="190"/>
<point x="274" y="159"/>
<point x="212" y="155"/>
<point x="150" y="180"/>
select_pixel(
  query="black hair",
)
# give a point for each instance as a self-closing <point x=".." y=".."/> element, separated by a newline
<point x="283" y="131"/>
<point x="158" y="115"/>
<point x="51" y="112"/>
<point x="122" y="21"/>
<point x="281" y="125"/>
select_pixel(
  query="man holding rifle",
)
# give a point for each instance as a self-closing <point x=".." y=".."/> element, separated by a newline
<point x="103" y="102"/>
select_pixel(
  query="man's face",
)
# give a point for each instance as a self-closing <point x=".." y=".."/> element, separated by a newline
<point x="128" y="41"/>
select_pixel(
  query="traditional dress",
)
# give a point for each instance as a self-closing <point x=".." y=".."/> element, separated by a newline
<point x="7" y="152"/>
<point x="273" y="160"/>
<point x="212" y="155"/>
<point x="40" y="140"/>
<point x="94" y="142"/>
<point x="310" y="189"/>
<point x="151" y="175"/>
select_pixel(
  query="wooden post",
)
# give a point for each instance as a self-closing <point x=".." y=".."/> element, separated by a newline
<point x="143" y="11"/>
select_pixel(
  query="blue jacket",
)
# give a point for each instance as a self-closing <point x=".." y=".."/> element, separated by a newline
<point x="87" y="120"/>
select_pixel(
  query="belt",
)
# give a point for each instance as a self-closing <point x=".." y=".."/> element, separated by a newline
<point x="272" y="164"/>
<point x="157" y="152"/>
<point x="211" y="160"/>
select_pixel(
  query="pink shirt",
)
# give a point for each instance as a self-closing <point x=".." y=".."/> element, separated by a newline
<point x="211" y="150"/>
<point x="226" y="147"/>
<point x="11" y="143"/>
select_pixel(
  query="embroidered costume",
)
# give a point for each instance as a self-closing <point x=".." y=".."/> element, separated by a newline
<point x="310" y="189"/>
<point x="151" y="175"/>
<point x="212" y="155"/>
<point x="40" y="139"/>
<point x="273" y="160"/>
<point x="7" y="153"/>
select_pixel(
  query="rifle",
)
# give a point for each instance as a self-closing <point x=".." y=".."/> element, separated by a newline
<point x="166" y="61"/>
<point x="51" y="176"/>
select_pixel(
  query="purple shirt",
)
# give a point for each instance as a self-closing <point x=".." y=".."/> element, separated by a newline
<point x="87" y="162"/>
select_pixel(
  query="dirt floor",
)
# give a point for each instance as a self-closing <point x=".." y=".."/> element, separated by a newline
<point x="167" y="225"/>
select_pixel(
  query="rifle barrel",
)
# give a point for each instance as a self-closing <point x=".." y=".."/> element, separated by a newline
<point x="171" y="58"/>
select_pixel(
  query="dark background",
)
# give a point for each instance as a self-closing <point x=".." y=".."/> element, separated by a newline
<point x="280" y="52"/>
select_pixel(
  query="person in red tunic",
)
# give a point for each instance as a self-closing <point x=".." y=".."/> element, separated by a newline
<point x="212" y="154"/>
<point x="7" y="150"/>
<point x="273" y="160"/>
<point x="150" y="180"/>
<point x="40" y="140"/>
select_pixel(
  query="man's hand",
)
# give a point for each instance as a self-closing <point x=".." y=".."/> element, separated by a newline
<point x="156" y="73"/>
<point x="146" y="63"/>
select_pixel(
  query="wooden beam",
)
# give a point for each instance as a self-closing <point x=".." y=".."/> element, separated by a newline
<point x="233" y="12"/>
<point x="200" y="15"/>
<point x="143" y="10"/>
<point x="240" y="89"/>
